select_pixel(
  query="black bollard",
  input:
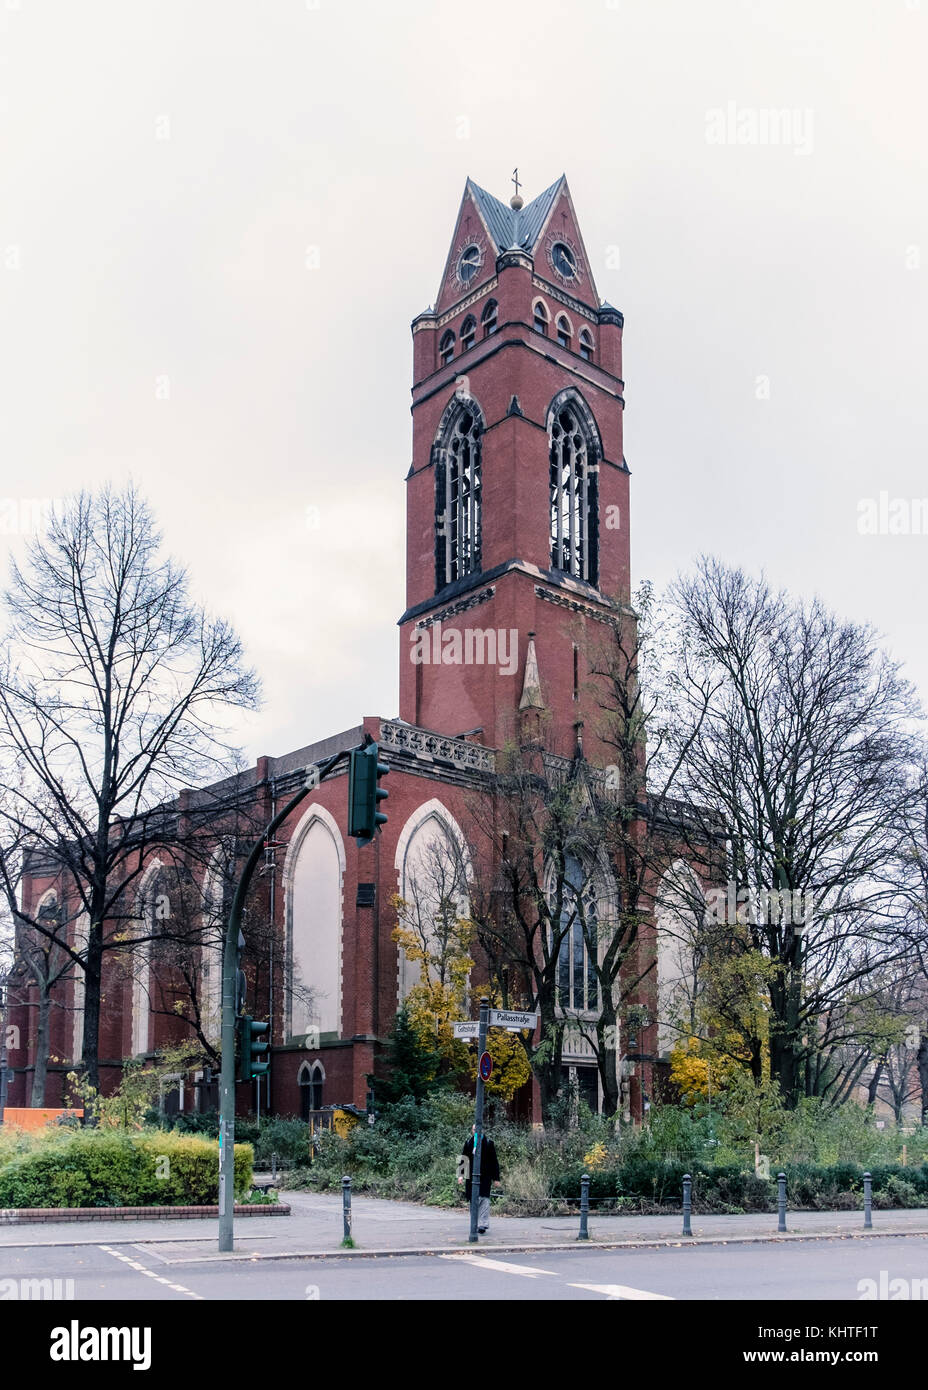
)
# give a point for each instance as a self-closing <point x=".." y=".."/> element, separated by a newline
<point x="781" y="1201"/>
<point x="868" y="1202"/>
<point x="687" y="1204"/>
<point x="346" y="1207"/>
<point x="584" y="1207"/>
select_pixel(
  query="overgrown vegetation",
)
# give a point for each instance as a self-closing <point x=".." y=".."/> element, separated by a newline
<point x="411" y="1154"/>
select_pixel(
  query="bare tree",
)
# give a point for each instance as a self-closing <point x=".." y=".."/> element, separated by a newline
<point x="794" y="731"/>
<point x="646" y="826"/>
<point x="114" y="698"/>
<point x="537" y="865"/>
<point x="913" y="883"/>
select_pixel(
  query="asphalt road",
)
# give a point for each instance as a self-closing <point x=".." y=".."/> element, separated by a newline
<point x="806" y="1271"/>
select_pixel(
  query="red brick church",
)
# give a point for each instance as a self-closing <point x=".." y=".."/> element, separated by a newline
<point x="517" y="546"/>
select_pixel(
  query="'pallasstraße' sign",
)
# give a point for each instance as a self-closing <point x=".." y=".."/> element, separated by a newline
<point x="504" y="1018"/>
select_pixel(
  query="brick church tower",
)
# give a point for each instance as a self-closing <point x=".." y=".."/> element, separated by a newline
<point x="517" y="503"/>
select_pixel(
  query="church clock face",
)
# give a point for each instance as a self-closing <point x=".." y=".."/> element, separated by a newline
<point x="470" y="259"/>
<point x="564" y="260"/>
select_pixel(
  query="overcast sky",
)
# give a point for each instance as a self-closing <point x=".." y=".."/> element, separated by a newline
<point x="218" y="219"/>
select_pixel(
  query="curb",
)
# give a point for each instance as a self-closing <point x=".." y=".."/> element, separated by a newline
<point x="49" y="1216"/>
<point x="509" y="1247"/>
<point x="577" y="1246"/>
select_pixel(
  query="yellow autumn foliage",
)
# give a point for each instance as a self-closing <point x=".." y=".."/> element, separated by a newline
<point x="597" y="1156"/>
<point x="698" y="1071"/>
<point x="441" y="949"/>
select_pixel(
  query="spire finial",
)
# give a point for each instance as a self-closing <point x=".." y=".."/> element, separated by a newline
<point x="515" y="201"/>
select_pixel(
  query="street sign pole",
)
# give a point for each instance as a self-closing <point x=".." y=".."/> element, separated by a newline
<point x="478" y="1122"/>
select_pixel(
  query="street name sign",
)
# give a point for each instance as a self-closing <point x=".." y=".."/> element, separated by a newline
<point x="466" y="1030"/>
<point x="515" y="1022"/>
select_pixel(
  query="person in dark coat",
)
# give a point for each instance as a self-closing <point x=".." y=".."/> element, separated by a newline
<point x="489" y="1174"/>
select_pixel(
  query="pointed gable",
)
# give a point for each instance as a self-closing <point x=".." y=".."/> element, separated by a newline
<point x="471" y="230"/>
<point x="561" y="229"/>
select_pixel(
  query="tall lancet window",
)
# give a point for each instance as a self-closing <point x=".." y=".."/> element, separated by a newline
<point x="574" y="461"/>
<point x="457" y="496"/>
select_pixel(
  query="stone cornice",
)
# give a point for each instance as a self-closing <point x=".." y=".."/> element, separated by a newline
<point x="575" y="606"/>
<point x="567" y="300"/>
<point x="462" y="304"/>
<point x="463" y="606"/>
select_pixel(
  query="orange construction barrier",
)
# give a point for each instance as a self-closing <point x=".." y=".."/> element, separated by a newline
<point x="27" y="1117"/>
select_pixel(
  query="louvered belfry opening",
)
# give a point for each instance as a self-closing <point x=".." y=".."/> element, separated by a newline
<point x="457" y="550"/>
<point x="573" y="499"/>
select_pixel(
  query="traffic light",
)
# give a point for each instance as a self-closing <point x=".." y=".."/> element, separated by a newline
<point x="364" y="772"/>
<point x="253" y="1040"/>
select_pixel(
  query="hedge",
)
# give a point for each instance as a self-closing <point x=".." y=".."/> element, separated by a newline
<point x="103" y="1169"/>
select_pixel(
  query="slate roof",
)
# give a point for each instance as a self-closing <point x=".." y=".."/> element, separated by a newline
<point x="509" y="228"/>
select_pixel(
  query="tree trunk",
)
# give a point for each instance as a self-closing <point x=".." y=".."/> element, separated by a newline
<point x="40" y="1073"/>
<point x="874" y="1086"/>
<point x="93" y="976"/>
<point x="785" y="1001"/>
<point x="548" y="1071"/>
<point x="606" y="1055"/>
<point x="921" y="1061"/>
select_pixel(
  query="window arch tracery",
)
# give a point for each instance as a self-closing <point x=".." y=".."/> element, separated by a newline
<point x="458" y="493"/>
<point x="574" y="454"/>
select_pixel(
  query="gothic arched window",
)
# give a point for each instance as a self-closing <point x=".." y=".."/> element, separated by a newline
<point x="457" y="497"/>
<point x="573" y="490"/>
<point x="488" y="318"/>
<point x="564" y="331"/>
<point x="540" y="317"/>
<point x="311" y="1082"/>
<point x="468" y="332"/>
<point x="446" y="348"/>
<point x="586" y="345"/>
<point x="578" y="931"/>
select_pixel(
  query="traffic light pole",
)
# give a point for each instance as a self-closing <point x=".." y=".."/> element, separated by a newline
<point x="229" y="970"/>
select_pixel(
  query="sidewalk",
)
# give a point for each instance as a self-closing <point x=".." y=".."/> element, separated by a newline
<point x="379" y="1227"/>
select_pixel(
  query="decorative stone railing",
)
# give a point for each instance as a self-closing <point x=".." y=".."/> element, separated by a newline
<point x="406" y="738"/>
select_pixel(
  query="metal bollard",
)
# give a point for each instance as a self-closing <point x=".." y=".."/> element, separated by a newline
<point x="584" y="1207"/>
<point x="781" y="1201"/>
<point x="687" y="1204"/>
<point x="346" y="1207"/>
<point x="868" y="1202"/>
<point x="274" y="1169"/>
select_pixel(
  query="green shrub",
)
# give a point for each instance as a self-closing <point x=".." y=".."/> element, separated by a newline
<point x="103" y="1168"/>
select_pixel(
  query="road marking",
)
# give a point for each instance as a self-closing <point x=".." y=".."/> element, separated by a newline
<point x="150" y="1273"/>
<point x="621" y="1291"/>
<point x="482" y="1262"/>
<point x="154" y="1254"/>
